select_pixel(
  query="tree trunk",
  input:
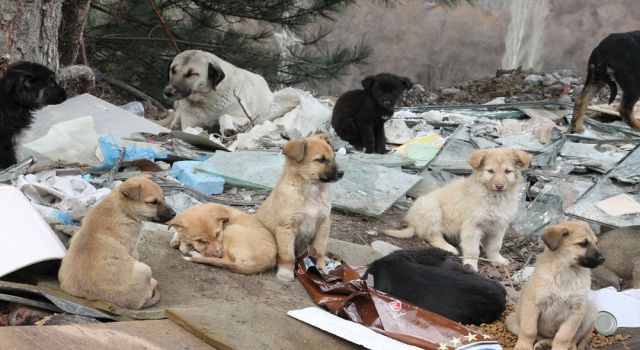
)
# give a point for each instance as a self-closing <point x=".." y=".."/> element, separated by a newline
<point x="29" y="30"/>
<point x="74" y="17"/>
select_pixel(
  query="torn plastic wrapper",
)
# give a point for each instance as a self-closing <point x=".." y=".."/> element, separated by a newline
<point x="343" y="293"/>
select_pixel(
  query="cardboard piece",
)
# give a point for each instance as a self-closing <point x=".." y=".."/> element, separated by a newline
<point x="619" y="205"/>
<point x="22" y="227"/>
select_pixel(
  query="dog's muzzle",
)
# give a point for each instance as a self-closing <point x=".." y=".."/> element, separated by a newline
<point x="592" y="260"/>
<point x="332" y="176"/>
<point x="165" y="214"/>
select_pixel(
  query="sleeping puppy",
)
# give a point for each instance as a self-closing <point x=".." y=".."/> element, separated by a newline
<point x="225" y="237"/>
<point x="297" y="212"/>
<point x="622" y="249"/>
<point x="474" y="211"/>
<point x="615" y="61"/>
<point x="554" y="307"/>
<point x="206" y="90"/>
<point x="359" y="115"/>
<point x="102" y="260"/>
<point x="25" y="87"/>
<point x="436" y="280"/>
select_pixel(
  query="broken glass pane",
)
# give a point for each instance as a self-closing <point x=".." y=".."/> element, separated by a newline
<point x="585" y="208"/>
<point x="453" y="155"/>
<point x="629" y="170"/>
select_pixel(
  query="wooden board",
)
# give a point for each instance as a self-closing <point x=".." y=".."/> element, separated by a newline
<point x="133" y="335"/>
<point x="245" y="324"/>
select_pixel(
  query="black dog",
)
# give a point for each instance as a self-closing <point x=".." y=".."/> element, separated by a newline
<point x="24" y="88"/>
<point x="615" y="60"/>
<point x="436" y="280"/>
<point x="359" y="115"/>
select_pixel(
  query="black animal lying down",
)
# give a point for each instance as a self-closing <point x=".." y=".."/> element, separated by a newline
<point x="436" y="280"/>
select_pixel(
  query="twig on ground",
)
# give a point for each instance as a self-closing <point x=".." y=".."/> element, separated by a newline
<point x="130" y="89"/>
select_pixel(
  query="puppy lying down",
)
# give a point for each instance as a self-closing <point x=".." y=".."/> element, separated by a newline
<point x="222" y="236"/>
<point x="436" y="280"/>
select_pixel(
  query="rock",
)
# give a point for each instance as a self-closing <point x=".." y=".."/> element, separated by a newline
<point x="432" y="116"/>
<point x="384" y="248"/>
<point x="397" y="132"/>
<point x="533" y="79"/>
<point x="450" y="91"/>
<point x="353" y="254"/>
<point x="497" y="101"/>
<point x="418" y="88"/>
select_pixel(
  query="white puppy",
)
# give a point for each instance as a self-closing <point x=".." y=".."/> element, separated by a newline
<point x="206" y="89"/>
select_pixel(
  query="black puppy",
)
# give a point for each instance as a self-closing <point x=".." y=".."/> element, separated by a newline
<point x="615" y="60"/>
<point x="359" y="115"/>
<point x="25" y="87"/>
<point x="436" y="280"/>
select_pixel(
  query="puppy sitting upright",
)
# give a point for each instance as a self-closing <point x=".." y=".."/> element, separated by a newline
<point x="24" y="88"/>
<point x="554" y="306"/>
<point x="225" y="237"/>
<point x="297" y="210"/>
<point x="102" y="260"/>
<point x="473" y="211"/>
<point x="359" y="115"/>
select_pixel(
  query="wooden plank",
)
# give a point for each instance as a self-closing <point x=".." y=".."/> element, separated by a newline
<point x="245" y="324"/>
<point x="132" y="335"/>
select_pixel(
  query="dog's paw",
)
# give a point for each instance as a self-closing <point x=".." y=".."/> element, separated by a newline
<point x="187" y="258"/>
<point x="500" y="260"/>
<point x="195" y="254"/>
<point x="285" y="274"/>
<point x="175" y="240"/>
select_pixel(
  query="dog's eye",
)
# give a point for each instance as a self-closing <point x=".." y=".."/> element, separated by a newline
<point x="490" y="171"/>
<point x="190" y="74"/>
<point x="321" y="159"/>
<point x="583" y="244"/>
<point x="153" y="202"/>
<point x="507" y="171"/>
<point x="201" y="241"/>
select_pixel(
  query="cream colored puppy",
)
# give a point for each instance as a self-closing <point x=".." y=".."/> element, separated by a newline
<point x="554" y="304"/>
<point x="473" y="211"/>
<point x="297" y="212"/>
<point x="206" y="90"/>
<point x="102" y="260"/>
<point x="225" y="237"/>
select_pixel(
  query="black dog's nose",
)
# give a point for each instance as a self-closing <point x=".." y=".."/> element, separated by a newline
<point x="169" y="91"/>
<point x="339" y="174"/>
<point x="387" y="104"/>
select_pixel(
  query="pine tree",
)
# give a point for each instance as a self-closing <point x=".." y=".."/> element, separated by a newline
<point x="280" y="39"/>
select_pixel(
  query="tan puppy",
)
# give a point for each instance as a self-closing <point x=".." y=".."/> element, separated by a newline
<point x="622" y="249"/>
<point x="297" y="210"/>
<point x="225" y="237"/>
<point x="554" y="306"/>
<point x="102" y="260"/>
<point x="473" y="211"/>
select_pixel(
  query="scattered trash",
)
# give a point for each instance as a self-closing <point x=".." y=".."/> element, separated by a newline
<point x="24" y="227"/>
<point x="298" y="114"/>
<point x="623" y="306"/>
<point x="618" y="205"/>
<point x="203" y="182"/>
<point x="135" y="107"/>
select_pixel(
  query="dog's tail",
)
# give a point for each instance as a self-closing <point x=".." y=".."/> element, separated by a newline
<point x="407" y="232"/>
<point x="224" y="263"/>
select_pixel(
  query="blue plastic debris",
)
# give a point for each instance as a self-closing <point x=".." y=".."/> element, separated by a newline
<point x="110" y="149"/>
<point x="185" y="172"/>
<point x="60" y="217"/>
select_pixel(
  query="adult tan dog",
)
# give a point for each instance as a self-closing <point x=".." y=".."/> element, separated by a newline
<point x="554" y="306"/>
<point x="225" y="237"/>
<point x="102" y="260"/>
<point x="297" y="212"/>
<point x="206" y="90"/>
<point x="473" y="211"/>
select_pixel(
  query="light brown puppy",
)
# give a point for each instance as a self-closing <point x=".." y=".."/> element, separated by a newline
<point x="102" y="260"/>
<point x="297" y="210"/>
<point x="225" y="237"/>
<point x="472" y="211"/>
<point x="622" y="249"/>
<point x="554" y="306"/>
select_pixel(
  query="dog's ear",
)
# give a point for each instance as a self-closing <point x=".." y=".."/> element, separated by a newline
<point x="368" y="82"/>
<point x="9" y="82"/>
<point x="326" y="139"/>
<point x="407" y="83"/>
<point x="215" y="75"/>
<point x="553" y="235"/>
<point x="476" y="158"/>
<point x="177" y="223"/>
<point x="522" y="159"/>
<point x="295" y="150"/>
<point x="131" y="190"/>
